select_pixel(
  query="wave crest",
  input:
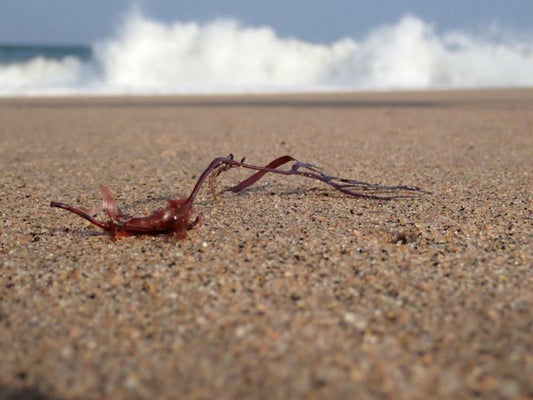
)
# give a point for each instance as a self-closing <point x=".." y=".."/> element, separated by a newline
<point x="220" y="55"/>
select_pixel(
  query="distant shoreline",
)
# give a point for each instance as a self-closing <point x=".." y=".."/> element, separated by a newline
<point x="384" y="98"/>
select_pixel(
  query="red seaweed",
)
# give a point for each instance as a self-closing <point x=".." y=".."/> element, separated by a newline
<point x="177" y="217"/>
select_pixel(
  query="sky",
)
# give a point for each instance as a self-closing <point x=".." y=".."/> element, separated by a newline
<point x="86" y="22"/>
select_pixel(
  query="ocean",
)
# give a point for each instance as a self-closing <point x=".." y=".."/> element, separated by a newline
<point x="147" y="56"/>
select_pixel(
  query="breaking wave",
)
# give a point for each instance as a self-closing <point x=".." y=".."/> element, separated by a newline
<point x="146" y="56"/>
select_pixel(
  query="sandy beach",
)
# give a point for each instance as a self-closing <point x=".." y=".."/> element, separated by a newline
<point x="288" y="289"/>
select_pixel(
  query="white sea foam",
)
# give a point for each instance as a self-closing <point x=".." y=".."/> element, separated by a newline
<point x="148" y="57"/>
<point x="39" y="72"/>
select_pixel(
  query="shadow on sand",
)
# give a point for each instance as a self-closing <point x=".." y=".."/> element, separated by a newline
<point x="24" y="393"/>
<point x="220" y="102"/>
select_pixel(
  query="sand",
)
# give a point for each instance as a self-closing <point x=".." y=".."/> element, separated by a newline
<point x="286" y="290"/>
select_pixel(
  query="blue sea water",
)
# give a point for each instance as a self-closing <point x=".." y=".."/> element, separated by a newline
<point x="147" y="56"/>
<point x="21" y="54"/>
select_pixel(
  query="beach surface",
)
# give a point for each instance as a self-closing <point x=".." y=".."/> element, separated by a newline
<point x="288" y="289"/>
